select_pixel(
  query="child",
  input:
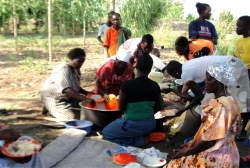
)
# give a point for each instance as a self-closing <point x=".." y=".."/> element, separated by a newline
<point x="156" y="52"/>
<point x="243" y="52"/>
<point x="115" y="36"/>
<point x="103" y="28"/>
<point x="193" y="49"/>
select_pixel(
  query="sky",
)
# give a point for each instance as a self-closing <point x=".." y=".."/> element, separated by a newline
<point x="236" y="7"/>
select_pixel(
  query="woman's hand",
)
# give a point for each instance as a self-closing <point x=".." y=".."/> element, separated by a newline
<point x="179" y="153"/>
<point x="90" y="92"/>
<point x="9" y="134"/>
<point x="106" y="98"/>
<point x="91" y="101"/>
<point x="166" y="90"/>
<point x="178" y="113"/>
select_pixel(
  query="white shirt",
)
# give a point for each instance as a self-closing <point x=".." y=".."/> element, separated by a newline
<point x="195" y="69"/>
<point x="102" y="30"/>
<point x="157" y="63"/>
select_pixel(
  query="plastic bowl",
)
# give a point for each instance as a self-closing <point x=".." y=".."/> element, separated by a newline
<point x="188" y="139"/>
<point x="80" y="124"/>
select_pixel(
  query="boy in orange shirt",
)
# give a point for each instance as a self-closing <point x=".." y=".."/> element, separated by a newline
<point x="115" y="36"/>
<point x="193" y="49"/>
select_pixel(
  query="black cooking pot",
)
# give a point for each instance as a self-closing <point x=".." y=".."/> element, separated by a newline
<point x="99" y="117"/>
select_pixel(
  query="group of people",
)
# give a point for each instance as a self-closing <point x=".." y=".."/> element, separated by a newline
<point x="213" y="112"/>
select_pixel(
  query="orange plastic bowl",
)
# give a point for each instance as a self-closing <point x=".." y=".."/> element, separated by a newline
<point x="157" y="136"/>
<point x="124" y="158"/>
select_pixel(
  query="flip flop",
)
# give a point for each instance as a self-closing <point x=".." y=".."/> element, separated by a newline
<point x="5" y="112"/>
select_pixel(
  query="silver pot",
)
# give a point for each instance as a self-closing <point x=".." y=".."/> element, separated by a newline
<point x="99" y="117"/>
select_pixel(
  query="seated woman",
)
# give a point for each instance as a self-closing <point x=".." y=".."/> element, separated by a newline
<point x="61" y="93"/>
<point x="213" y="144"/>
<point x="139" y="99"/>
<point x="193" y="49"/>
<point x="111" y="75"/>
<point x="192" y="73"/>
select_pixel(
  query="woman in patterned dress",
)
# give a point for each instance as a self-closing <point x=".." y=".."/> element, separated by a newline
<point x="213" y="144"/>
<point x="61" y="93"/>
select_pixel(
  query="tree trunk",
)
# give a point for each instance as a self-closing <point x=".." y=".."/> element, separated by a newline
<point x="50" y="29"/>
<point x="64" y="26"/>
<point x="15" y="27"/>
<point x="84" y="22"/>
<point x="112" y="5"/>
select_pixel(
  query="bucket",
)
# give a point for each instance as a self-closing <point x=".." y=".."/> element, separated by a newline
<point x="156" y="76"/>
<point x="179" y="84"/>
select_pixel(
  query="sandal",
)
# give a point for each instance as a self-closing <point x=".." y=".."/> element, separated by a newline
<point x="5" y="112"/>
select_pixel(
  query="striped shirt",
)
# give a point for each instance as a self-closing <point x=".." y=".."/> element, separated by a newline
<point x="61" y="78"/>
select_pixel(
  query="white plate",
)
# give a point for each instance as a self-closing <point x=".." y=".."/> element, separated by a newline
<point x="158" y="115"/>
<point x="154" y="162"/>
<point x="133" y="165"/>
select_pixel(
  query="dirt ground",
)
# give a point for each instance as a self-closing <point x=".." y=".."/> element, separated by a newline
<point x="20" y="87"/>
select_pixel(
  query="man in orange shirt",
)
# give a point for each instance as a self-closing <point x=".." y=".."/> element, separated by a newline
<point x="115" y="36"/>
<point x="193" y="49"/>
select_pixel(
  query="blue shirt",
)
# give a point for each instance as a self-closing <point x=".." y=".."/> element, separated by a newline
<point x="203" y="30"/>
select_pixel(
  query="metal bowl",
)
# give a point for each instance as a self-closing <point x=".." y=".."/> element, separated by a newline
<point x="99" y="117"/>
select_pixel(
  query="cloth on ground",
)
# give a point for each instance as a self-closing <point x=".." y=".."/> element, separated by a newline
<point x="143" y="153"/>
<point x="61" y="147"/>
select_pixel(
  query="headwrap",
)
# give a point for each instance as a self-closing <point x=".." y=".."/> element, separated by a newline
<point x="222" y="72"/>
<point x="123" y="55"/>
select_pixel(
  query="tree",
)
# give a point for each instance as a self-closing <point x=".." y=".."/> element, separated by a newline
<point x="139" y="15"/>
<point x="50" y="29"/>
<point x="112" y="5"/>
<point x="226" y="23"/>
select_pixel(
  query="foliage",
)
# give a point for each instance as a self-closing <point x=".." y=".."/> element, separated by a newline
<point x="190" y="18"/>
<point x="225" y="26"/>
<point x="226" y="23"/>
<point x="138" y="15"/>
<point x="173" y="9"/>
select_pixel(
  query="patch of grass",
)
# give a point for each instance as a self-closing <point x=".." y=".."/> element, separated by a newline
<point x="21" y="94"/>
<point x="12" y="58"/>
<point x="227" y="44"/>
<point x="11" y="106"/>
<point x="29" y="64"/>
<point x="64" y="59"/>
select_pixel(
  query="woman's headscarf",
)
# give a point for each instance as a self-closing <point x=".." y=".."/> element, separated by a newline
<point x="222" y="72"/>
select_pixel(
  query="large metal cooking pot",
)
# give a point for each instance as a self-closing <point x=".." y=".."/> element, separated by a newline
<point x="99" y="117"/>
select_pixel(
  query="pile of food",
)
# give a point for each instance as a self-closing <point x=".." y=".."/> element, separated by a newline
<point x="172" y="97"/>
<point x="95" y="97"/>
<point x="22" y="148"/>
<point x="169" y="112"/>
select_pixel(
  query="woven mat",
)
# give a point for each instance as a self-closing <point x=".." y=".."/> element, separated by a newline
<point x="90" y="153"/>
<point x="58" y="149"/>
